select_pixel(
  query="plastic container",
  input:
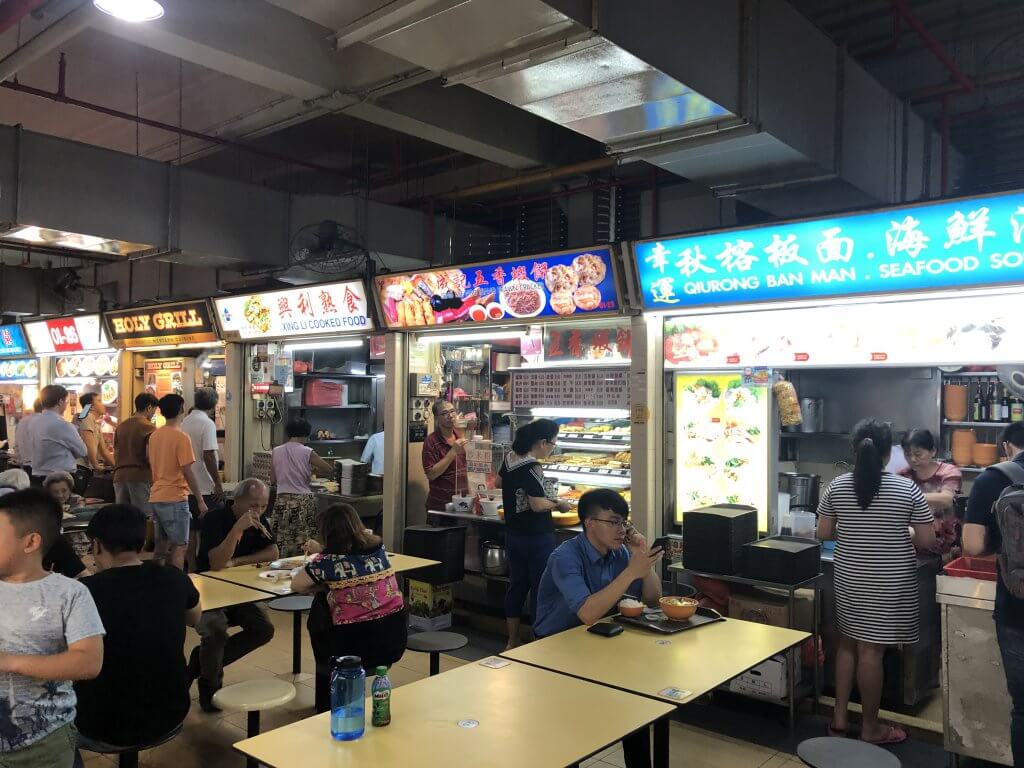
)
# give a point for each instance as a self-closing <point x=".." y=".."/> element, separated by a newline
<point x="782" y="559"/>
<point x="972" y="568"/>
<point x="348" y="694"/>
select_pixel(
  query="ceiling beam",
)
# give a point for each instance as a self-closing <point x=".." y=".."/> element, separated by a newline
<point x="261" y="43"/>
<point x="75" y="16"/>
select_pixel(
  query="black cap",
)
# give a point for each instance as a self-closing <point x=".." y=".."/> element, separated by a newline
<point x="346" y="662"/>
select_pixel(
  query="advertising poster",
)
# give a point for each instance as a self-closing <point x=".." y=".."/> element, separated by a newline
<point x="571" y="284"/>
<point x="957" y="243"/>
<point x="165" y="377"/>
<point x="311" y="310"/>
<point x="722" y="430"/>
<point x="19" y="371"/>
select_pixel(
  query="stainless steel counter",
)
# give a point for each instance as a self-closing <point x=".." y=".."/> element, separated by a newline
<point x="975" y="703"/>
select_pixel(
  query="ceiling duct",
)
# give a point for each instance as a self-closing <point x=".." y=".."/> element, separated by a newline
<point x="744" y="96"/>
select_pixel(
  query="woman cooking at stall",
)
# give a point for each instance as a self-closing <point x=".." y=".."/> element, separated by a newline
<point x="444" y="458"/>
<point x="529" y="532"/>
<point x="292" y="466"/>
<point x="940" y="483"/>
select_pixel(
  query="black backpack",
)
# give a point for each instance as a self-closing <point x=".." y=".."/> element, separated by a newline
<point x="1009" y="512"/>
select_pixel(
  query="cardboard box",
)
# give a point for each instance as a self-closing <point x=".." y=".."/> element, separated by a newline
<point x="765" y="608"/>
<point x="430" y="606"/>
<point x="767" y="680"/>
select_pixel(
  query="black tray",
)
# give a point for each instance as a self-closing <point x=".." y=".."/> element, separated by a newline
<point x="668" y="627"/>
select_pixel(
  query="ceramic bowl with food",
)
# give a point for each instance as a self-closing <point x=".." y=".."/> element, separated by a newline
<point x="678" y="608"/>
<point x="630" y="607"/>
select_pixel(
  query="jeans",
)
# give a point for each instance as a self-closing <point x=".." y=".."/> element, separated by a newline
<point x="1011" y="645"/>
<point x="527" y="558"/>
<point x="218" y="649"/>
<point x="136" y="494"/>
<point x="170" y="522"/>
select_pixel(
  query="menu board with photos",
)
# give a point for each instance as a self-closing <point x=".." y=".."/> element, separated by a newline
<point x="63" y="335"/>
<point x="568" y="284"/>
<point x="13" y="342"/>
<point x="570" y="389"/>
<point x="311" y="310"/>
<point x="183" y="322"/>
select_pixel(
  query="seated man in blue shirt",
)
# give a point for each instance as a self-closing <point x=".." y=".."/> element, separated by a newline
<point x="587" y="576"/>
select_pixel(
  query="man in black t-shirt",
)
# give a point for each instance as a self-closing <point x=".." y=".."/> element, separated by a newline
<point x="982" y="536"/>
<point x="140" y="693"/>
<point x="236" y="534"/>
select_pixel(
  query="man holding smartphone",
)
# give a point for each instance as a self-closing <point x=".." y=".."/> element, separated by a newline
<point x="588" y="575"/>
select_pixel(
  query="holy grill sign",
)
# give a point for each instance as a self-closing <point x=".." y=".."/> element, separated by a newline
<point x="188" y="322"/>
<point x="959" y="243"/>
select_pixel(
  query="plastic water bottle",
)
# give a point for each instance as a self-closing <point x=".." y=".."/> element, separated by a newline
<point x="348" y="691"/>
<point x="381" y="693"/>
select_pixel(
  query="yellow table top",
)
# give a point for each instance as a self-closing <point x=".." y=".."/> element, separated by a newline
<point x="249" y="575"/>
<point x="523" y="716"/>
<point x="215" y="594"/>
<point x="676" y="668"/>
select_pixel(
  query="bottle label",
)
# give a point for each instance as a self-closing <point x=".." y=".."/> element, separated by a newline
<point x="382" y="707"/>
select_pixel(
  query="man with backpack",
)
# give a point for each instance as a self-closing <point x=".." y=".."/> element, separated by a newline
<point x="995" y="523"/>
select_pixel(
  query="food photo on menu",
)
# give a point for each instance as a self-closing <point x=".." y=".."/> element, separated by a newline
<point x="554" y="286"/>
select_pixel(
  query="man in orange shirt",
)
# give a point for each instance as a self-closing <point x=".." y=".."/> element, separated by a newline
<point x="171" y="459"/>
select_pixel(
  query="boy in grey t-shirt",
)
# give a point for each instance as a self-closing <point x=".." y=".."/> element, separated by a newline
<point x="50" y="634"/>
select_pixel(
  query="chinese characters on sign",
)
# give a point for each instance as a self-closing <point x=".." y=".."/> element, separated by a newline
<point x="551" y="285"/>
<point x="12" y="341"/>
<point x="968" y="242"/>
<point x="611" y="344"/>
<point x="307" y="311"/>
<point x="568" y="389"/>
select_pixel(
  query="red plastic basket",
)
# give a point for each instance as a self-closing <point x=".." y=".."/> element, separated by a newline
<point x="972" y="567"/>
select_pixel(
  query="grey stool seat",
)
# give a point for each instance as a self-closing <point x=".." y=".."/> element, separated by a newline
<point x="296" y="605"/>
<point x="435" y="643"/>
<point x="128" y="757"/>
<point x="252" y="697"/>
<point x="837" y="752"/>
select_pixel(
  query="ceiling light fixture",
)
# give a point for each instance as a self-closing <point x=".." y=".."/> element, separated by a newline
<point x="131" y="10"/>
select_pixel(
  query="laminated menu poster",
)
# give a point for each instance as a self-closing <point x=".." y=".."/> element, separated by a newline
<point x="570" y="388"/>
<point x="721" y="443"/>
<point x="568" y="284"/>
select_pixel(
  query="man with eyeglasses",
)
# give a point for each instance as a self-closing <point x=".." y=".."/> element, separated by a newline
<point x="588" y="575"/>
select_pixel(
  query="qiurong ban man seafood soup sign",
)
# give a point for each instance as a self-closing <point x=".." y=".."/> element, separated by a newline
<point x="959" y="243"/>
<point x="552" y="285"/>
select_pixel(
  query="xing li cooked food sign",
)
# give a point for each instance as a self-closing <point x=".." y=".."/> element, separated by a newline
<point x="959" y="243"/>
<point x="553" y="285"/>
<point x="308" y="311"/>
<point x="186" y="322"/>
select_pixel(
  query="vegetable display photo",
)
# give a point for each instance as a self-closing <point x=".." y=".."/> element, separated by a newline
<point x="721" y="445"/>
<point x="551" y="285"/>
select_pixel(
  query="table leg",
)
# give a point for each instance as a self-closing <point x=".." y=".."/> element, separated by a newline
<point x="435" y="663"/>
<point x="296" y="642"/>
<point x="790" y="676"/>
<point x="253" y="729"/>
<point x="661" y="742"/>
<point x="817" y="652"/>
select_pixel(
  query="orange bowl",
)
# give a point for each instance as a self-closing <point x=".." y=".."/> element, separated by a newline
<point x="631" y="611"/>
<point x="679" y="608"/>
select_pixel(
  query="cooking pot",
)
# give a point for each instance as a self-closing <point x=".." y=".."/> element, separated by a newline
<point x="812" y="414"/>
<point x="802" y="489"/>
<point x="493" y="560"/>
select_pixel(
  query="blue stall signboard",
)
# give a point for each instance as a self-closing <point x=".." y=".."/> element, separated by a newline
<point x="12" y="341"/>
<point x="958" y="243"/>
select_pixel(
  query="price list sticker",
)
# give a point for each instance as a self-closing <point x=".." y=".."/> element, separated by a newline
<point x="570" y="389"/>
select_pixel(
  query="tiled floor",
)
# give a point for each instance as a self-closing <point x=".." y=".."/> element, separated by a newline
<point x="206" y="739"/>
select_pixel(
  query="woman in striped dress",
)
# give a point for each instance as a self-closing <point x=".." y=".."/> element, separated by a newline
<point x="877" y="520"/>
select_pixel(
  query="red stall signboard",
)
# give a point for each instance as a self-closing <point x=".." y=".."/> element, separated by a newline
<point x="64" y="335"/>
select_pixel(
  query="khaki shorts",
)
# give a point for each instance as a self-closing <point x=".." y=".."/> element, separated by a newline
<point x="55" y="751"/>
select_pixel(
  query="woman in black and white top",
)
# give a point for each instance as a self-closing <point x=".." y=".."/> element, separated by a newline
<point x="877" y="520"/>
<point x="529" y="532"/>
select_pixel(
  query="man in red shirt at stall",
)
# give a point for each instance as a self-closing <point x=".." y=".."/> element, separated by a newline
<point x="444" y="457"/>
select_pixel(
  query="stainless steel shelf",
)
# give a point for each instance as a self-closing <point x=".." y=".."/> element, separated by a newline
<point x="989" y="424"/>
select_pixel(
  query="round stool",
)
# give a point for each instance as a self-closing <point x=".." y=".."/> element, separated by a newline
<point x="128" y="757"/>
<point x="836" y="752"/>
<point x="253" y="696"/>
<point x="296" y="605"/>
<point x="435" y="643"/>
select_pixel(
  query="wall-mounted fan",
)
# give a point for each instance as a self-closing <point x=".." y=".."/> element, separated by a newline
<point x="329" y="248"/>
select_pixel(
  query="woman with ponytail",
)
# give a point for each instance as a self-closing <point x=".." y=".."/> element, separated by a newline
<point x="877" y="520"/>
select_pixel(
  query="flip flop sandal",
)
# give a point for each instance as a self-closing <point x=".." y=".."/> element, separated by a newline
<point x="892" y="736"/>
<point x="835" y="732"/>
